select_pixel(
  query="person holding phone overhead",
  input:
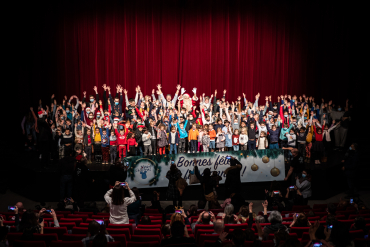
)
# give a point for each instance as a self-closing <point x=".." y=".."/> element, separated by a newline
<point x="233" y="182"/>
<point x="118" y="202"/>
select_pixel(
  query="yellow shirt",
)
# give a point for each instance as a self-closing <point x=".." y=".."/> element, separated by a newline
<point x="97" y="137"/>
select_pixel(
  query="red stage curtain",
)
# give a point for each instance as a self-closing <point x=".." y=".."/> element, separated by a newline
<point x="242" y="46"/>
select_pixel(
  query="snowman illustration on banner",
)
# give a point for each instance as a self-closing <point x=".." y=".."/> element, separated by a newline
<point x="143" y="173"/>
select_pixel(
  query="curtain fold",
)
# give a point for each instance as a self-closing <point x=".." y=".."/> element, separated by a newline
<point x="241" y="46"/>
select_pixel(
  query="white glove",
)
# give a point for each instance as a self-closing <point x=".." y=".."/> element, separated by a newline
<point x="182" y="91"/>
<point x="195" y="90"/>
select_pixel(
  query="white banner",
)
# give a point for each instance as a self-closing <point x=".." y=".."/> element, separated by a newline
<point x="257" y="166"/>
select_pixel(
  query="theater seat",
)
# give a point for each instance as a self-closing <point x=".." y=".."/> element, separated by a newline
<point x="144" y="231"/>
<point x="47" y="237"/>
<point x="357" y="234"/>
<point x="235" y="226"/>
<point x="73" y="237"/>
<point x="121" y="238"/>
<point x="142" y="244"/>
<point x="299" y="230"/>
<point x="66" y="244"/>
<point x="147" y="238"/>
<point x="206" y="237"/>
<point x="117" y="231"/>
<point x="79" y="230"/>
<point x="203" y="232"/>
<point x="77" y="221"/>
<point x="57" y="230"/>
<point x="20" y="243"/>
<point x="120" y="226"/>
<point x="13" y="236"/>
<point x="68" y="225"/>
<point x="267" y="243"/>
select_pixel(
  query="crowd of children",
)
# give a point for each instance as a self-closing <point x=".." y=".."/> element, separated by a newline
<point x="114" y="128"/>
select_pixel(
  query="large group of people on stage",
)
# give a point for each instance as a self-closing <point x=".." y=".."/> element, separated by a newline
<point x="116" y="126"/>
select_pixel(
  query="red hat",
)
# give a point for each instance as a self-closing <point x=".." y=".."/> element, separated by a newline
<point x="40" y="113"/>
<point x="98" y="112"/>
<point x="140" y="126"/>
<point x="79" y="157"/>
<point x="87" y="108"/>
<point x="116" y="119"/>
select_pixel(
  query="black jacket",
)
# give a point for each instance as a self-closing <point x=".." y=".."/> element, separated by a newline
<point x="233" y="182"/>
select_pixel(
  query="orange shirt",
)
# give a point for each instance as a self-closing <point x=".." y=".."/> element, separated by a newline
<point x="193" y="134"/>
<point x="212" y="135"/>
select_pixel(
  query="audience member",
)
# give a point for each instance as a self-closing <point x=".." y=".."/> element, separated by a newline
<point x="133" y="210"/>
<point x="179" y="235"/>
<point x="96" y="230"/>
<point x="118" y="203"/>
<point x="204" y="219"/>
<point x="145" y="220"/>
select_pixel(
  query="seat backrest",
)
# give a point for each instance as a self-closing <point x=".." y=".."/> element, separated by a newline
<point x="142" y="244"/>
<point x="144" y="231"/>
<point x="354" y="216"/>
<point x="152" y="211"/>
<point x="313" y="218"/>
<point x="79" y="230"/>
<point x="105" y="220"/>
<point x="78" y="216"/>
<point x="200" y="226"/>
<point x="321" y="206"/>
<point x="120" y="226"/>
<point x="357" y="234"/>
<point x="13" y="236"/>
<point x="19" y="243"/>
<point x="47" y="237"/>
<point x="147" y="238"/>
<point x="149" y="226"/>
<point x="121" y="238"/>
<point x="66" y="244"/>
<point x="85" y="213"/>
<point x="65" y="213"/>
<point x="77" y="221"/>
<point x="235" y="226"/>
<point x="99" y="216"/>
<point x="205" y="237"/>
<point x="348" y="223"/>
<point x="299" y="230"/>
<point x="120" y="231"/>
<point x="57" y="230"/>
<point x="267" y="243"/>
<point x="68" y="225"/>
<point x="73" y="237"/>
<point x="202" y="231"/>
<point x="155" y="217"/>
<point x="306" y="236"/>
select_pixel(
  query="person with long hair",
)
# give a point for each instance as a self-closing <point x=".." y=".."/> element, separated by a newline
<point x="173" y="192"/>
<point x="30" y="223"/>
<point x="118" y="202"/>
<point x="97" y="234"/>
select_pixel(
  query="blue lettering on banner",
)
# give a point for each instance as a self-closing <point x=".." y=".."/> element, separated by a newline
<point x="181" y="160"/>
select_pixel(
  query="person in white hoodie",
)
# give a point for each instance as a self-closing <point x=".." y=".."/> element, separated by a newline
<point x="243" y="139"/>
<point x="118" y="202"/>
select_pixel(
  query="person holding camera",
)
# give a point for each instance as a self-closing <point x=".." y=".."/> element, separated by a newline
<point x="118" y="202"/>
<point x="232" y="182"/>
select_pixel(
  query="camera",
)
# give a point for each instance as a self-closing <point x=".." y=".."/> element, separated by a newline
<point x="48" y="211"/>
<point x="330" y="226"/>
<point x="123" y="184"/>
<point x="276" y="192"/>
<point x="178" y="211"/>
<point x="351" y="200"/>
<point x="291" y="187"/>
<point x="316" y="243"/>
<point x="228" y="157"/>
<point x="12" y="208"/>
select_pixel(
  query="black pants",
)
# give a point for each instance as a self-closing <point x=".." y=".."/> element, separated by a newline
<point x="153" y="143"/>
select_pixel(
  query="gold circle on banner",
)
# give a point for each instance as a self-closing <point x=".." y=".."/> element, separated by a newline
<point x="275" y="172"/>
<point x="254" y="167"/>
<point x="265" y="159"/>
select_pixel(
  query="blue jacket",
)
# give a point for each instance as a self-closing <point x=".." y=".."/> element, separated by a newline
<point x="274" y="135"/>
<point x="183" y="133"/>
<point x="283" y="132"/>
